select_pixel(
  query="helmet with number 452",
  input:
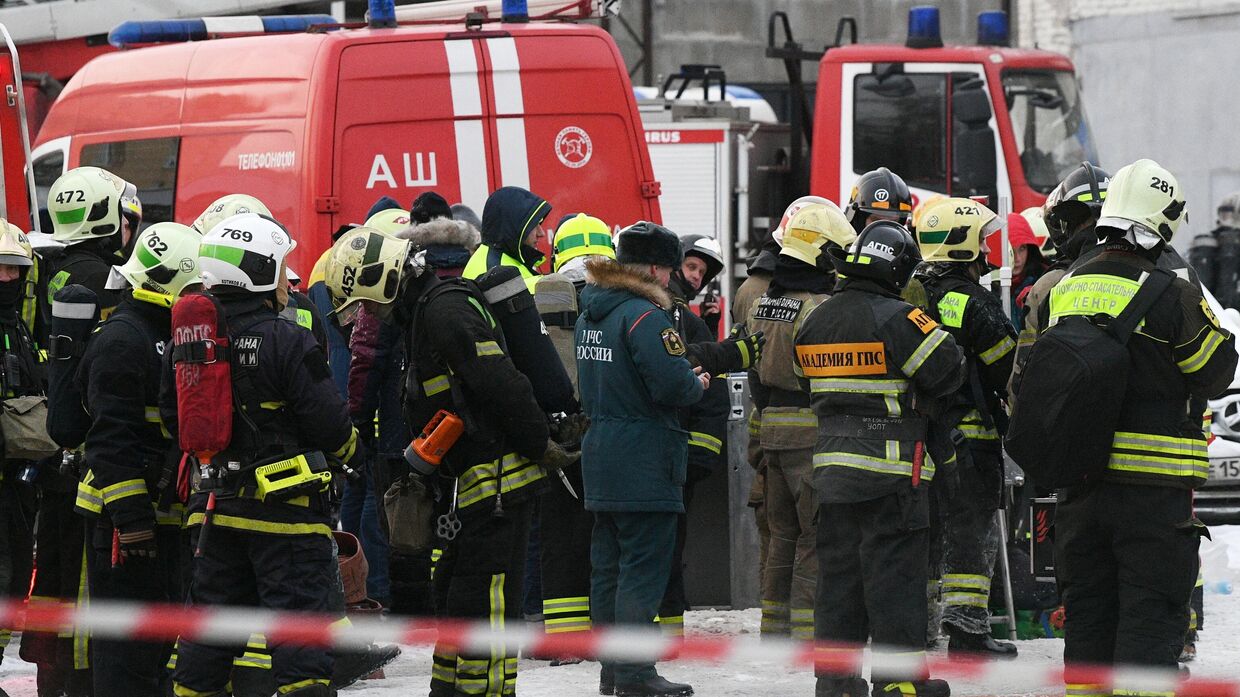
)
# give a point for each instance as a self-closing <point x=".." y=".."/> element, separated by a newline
<point x="245" y="252"/>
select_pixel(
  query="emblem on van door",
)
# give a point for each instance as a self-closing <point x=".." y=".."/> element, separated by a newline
<point x="573" y="147"/>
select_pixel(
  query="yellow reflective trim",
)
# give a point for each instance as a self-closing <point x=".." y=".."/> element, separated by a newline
<point x="977" y="581"/>
<point x="151" y="415"/>
<point x="705" y="441"/>
<point x="435" y="385"/>
<point x="88" y="498"/>
<point x="804" y="418"/>
<point x="1086" y="690"/>
<point x="488" y="348"/>
<point x="924" y="349"/>
<point x="495" y="671"/>
<point x="1147" y="464"/>
<point x="272" y="406"/>
<point x="443" y="673"/>
<point x="872" y="464"/>
<point x="966" y="599"/>
<point x="1195" y="448"/>
<point x="179" y="690"/>
<point x="564" y="625"/>
<point x="262" y="526"/>
<point x="579" y="604"/>
<point x="285" y="689"/>
<point x="999" y="350"/>
<point x="345" y="452"/>
<point x="253" y="660"/>
<point x="1091" y="294"/>
<point x="1198" y="360"/>
<point x="123" y="490"/>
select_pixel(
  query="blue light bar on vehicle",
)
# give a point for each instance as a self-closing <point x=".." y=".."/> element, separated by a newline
<point x="923" y="28"/>
<point x="992" y="28"/>
<point x="515" y="10"/>
<point x="179" y="30"/>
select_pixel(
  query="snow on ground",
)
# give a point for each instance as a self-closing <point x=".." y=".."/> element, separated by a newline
<point x="1218" y="654"/>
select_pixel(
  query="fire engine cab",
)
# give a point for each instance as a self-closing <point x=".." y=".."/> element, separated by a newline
<point x="322" y="120"/>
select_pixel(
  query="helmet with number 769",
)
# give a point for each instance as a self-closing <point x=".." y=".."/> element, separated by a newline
<point x="245" y="251"/>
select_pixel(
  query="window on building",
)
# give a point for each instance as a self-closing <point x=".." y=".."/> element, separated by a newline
<point x="900" y="122"/>
<point x="150" y="165"/>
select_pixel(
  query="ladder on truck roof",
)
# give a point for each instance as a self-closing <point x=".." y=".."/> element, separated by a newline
<point x="55" y="20"/>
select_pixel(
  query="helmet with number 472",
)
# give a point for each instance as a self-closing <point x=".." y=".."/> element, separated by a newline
<point x="245" y="252"/>
<point x="88" y="203"/>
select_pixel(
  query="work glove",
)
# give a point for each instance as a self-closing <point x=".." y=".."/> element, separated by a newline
<point x="556" y="457"/>
<point x="137" y="540"/>
<point x="570" y="430"/>
<point x="746" y="350"/>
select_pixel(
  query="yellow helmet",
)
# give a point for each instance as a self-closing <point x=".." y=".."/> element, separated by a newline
<point x="87" y="203"/>
<point x="390" y="220"/>
<point x="365" y="264"/>
<point x="921" y="207"/>
<point x="953" y="229"/>
<point x="226" y="207"/>
<point x="15" y="247"/>
<point x="813" y="228"/>
<point x="582" y="235"/>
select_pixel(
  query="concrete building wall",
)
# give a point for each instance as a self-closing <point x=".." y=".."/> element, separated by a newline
<point x="1155" y="85"/>
<point x="733" y="33"/>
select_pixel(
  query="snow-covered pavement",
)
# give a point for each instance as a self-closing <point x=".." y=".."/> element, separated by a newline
<point x="1218" y="654"/>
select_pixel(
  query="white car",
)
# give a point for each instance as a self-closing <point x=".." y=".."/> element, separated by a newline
<point x="1218" y="500"/>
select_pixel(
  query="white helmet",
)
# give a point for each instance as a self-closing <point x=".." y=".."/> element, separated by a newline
<point x="245" y="251"/>
<point x="791" y="210"/>
<point x="87" y="203"/>
<point x="226" y="207"/>
<point x="164" y="260"/>
<point x="1144" y="204"/>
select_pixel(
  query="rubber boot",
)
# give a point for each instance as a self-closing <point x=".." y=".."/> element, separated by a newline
<point x="607" y="680"/>
<point x="912" y="688"/>
<point x="841" y="687"/>
<point x="658" y="686"/>
<point x="1189" y="652"/>
<point x="351" y="666"/>
<point x="978" y="645"/>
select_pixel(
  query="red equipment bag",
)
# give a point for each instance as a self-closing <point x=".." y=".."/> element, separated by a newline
<point x="200" y="352"/>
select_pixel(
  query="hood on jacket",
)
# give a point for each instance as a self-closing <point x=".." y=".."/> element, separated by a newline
<point x="764" y="262"/>
<point x="508" y="216"/>
<point x="609" y="285"/>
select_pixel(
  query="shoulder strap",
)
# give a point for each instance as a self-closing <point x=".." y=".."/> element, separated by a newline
<point x="1150" y="291"/>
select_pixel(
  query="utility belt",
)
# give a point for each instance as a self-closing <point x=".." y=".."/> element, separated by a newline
<point x="900" y="428"/>
<point x="277" y="479"/>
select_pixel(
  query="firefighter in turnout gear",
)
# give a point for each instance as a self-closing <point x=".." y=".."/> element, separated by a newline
<point x="1120" y="608"/>
<point x="879" y="195"/>
<point x="1071" y="210"/>
<point x="952" y="235"/>
<point x="457" y="362"/>
<point x="267" y="541"/>
<point x="804" y="277"/>
<point x="761" y="268"/>
<point x="127" y="491"/>
<point x="95" y="214"/>
<point x="21" y="377"/>
<point x="873" y="365"/>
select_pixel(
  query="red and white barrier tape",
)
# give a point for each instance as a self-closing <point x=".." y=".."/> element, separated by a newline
<point x="236" y="624"/>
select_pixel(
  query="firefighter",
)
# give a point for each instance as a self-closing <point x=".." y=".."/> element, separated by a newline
<point x="702" y="264"/>
<point x="1070" y="213"/>
<point x="707" y="420"/>
<point x="1120" y="608"/>
<point x="1216" y="254"/>
<point x="95" y="214"/>
<point x="760" y="269"/>
<point x="803" y="278"/>
<point x="879" y="194"/>
<point x="266" y="543"/>
<point x="952" y="234"/>
<point x="226" y="207"/>
<point x="128" y="488"/>
<point x="456" y="362"/>
<point x="633" y="377"/>
<point x="564" y="522"/>
<point x="511" y="225"/>
<point x="864" y="355"/>
<point x="21" y="377"/>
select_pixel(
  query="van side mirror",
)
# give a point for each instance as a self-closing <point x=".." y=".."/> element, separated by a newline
<point x="973" y="142"/>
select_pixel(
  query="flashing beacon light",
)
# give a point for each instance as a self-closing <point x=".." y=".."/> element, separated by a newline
<point x="992" y="28"/>
<point x="382" y="14"/>
<point x="136" y="32"/>
<point x="923" y="28"/>
<point x="516" y="10"/>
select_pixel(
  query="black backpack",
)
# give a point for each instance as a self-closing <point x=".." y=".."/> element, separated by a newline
<point x="75" y="314"/>
<point x="1071" y="391"/>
